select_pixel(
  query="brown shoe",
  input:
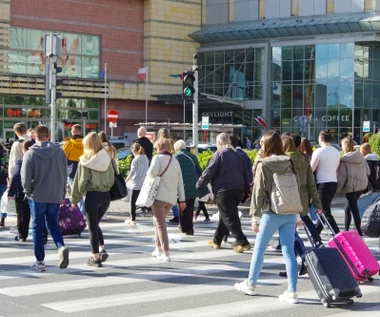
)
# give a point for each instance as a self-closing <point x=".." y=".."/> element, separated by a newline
<point x="214" y="245"/>
<point x="242" y="248"/>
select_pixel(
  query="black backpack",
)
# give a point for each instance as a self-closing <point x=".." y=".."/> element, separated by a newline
<point x="371" y="220"/>
<point x="374" y="177"/>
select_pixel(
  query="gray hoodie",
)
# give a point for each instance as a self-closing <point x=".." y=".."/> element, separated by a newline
<point x="44" y="173"/>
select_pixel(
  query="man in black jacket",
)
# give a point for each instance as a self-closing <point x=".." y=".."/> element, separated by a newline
<point x="144" y="142"/>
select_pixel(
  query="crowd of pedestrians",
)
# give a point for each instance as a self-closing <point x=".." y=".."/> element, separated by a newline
<point x="39" y="171"/>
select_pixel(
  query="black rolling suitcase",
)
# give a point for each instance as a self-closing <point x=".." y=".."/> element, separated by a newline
<point x="330" y="275"/>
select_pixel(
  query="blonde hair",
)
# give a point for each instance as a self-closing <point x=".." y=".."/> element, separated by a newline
<point x="365" y="149"/>
<point x="136" y="147"/>
<point x="223" y="140"/>
<point x="163" y="133"/>
<point x="349" y="144"/>
<point x="163" y="145"/>
<point x="91" y="145"/>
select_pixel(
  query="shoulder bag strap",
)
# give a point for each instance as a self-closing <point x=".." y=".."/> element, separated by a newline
<point x="189" y="159"/>
<point x="167" y="166"/>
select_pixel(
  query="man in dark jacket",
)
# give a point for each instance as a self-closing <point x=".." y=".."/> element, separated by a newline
<point x="144" y="142"/>
<point x="229" y="181"/>
<point x="44" y="177"/>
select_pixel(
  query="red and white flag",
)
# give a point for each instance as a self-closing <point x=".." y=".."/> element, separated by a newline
<point x="261" y="121"/>
<point x="142" y="73"/>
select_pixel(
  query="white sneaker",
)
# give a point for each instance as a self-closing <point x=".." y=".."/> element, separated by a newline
<point x="246" y="288"/>
<point x="38" y="266"/>
<point x="164" y="258"/>
<point x="156" y="253"/>
<point x="289" y="297"/>
<point x="63" y="254"/>
<point x="130" y="222"/>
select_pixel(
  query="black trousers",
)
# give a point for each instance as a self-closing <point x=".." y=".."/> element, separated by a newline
<point x="312" y="229"/>
<point x="202" y="207"/>
<point x="23" y="217"/>
<point x="186" y="216"/>
<point x="326" y="193"/>
<point x="228" y="202"/>
<point x="135" y="194"/>
<point x="96" y="205"/>
<point x="351" y="207"/>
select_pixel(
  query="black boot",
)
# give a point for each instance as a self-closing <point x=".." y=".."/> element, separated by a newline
<point x="303" y="270"/>
<point x="2" y="222"/>
<point x="175" y="220"/>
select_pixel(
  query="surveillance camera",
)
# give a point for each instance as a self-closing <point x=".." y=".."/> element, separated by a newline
<point x="195" y="56"/>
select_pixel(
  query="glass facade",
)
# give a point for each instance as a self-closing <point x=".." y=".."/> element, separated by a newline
<point x="322" y="86"/>
<point x="235" y="74"/>
<point x="80" y="53"/>
<point x="33" y="111"/>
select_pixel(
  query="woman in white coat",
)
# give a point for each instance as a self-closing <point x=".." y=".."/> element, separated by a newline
<point x="169" y="191"/>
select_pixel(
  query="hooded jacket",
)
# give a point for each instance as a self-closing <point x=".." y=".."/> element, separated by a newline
<point x="96" y="174"/>
<point x="306" y="181"/>
<point x="73" y="148"/>
<point x="262" y="184"/>
<point x="139" y="168"/>
<point x="16" y="153"/>
<point x="353" y="173"/>
<point x="44" y="173"/>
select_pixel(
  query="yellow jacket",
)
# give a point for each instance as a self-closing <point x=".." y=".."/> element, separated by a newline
<point x="73" y="148"/>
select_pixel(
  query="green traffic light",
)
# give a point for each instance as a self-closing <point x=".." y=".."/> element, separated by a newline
<point x="188" y="92"/>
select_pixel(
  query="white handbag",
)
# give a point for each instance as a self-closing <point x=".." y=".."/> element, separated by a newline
<point x="149" y="189"/>
<point x="7" y="205"/>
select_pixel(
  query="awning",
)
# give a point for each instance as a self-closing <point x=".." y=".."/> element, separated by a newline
<point x="267" y="29"/>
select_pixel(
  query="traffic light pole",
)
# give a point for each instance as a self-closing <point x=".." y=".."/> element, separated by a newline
<point x="195" y="106"/>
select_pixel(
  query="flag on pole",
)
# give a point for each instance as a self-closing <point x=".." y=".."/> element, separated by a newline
<point x="142" y="73"/>
<point x="180" y="76"/>
<point x="261" y="121"/>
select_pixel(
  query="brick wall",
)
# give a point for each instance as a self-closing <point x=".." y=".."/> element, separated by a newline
<point x="119" y="23"/>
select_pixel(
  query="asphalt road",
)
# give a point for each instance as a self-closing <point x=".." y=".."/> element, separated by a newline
<point x="198" y="282"/>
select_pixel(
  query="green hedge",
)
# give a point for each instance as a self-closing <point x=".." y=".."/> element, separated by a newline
<point x="203" y="158"/>
<point x="374" y="142"/>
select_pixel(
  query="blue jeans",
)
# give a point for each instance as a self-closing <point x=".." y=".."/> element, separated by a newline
<point x="313" y="214"/>
<point x="40" y="212"/>
<point x="270" y="223"/>
<point x="81" y="203"/>
<point x="175" y="211"/>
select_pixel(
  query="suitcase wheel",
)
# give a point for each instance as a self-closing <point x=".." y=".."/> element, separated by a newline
<point x="325" y="303"/>
<point x="350" y="301"/>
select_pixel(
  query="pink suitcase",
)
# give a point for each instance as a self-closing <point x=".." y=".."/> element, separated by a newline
<point x="359" y="258"/>
<point x="355" y="252"/>
<point x="70" y="220"/>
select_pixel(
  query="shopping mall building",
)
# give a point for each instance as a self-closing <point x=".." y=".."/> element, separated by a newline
<point x="125" y="34"/>
<point x="302" y="65"/>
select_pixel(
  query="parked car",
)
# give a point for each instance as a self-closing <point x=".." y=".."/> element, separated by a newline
<point x="121" y="154"/>
<point x="119" y="143"/>
<point x="202" y="147"/>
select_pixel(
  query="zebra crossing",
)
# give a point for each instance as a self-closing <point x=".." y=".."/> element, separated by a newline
<point x="198" y="282"/>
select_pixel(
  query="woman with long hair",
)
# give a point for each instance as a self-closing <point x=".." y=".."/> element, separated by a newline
<point x="306" y="148"/>
<point x="107" y="144"/>
<point x="353" y="175"/>
<point x="136" y="176"/>
<point x="170" y="189"/>
<point x="307" y="189"/>
<point x="265" y="222"/>
<point x="95" y="176"/>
